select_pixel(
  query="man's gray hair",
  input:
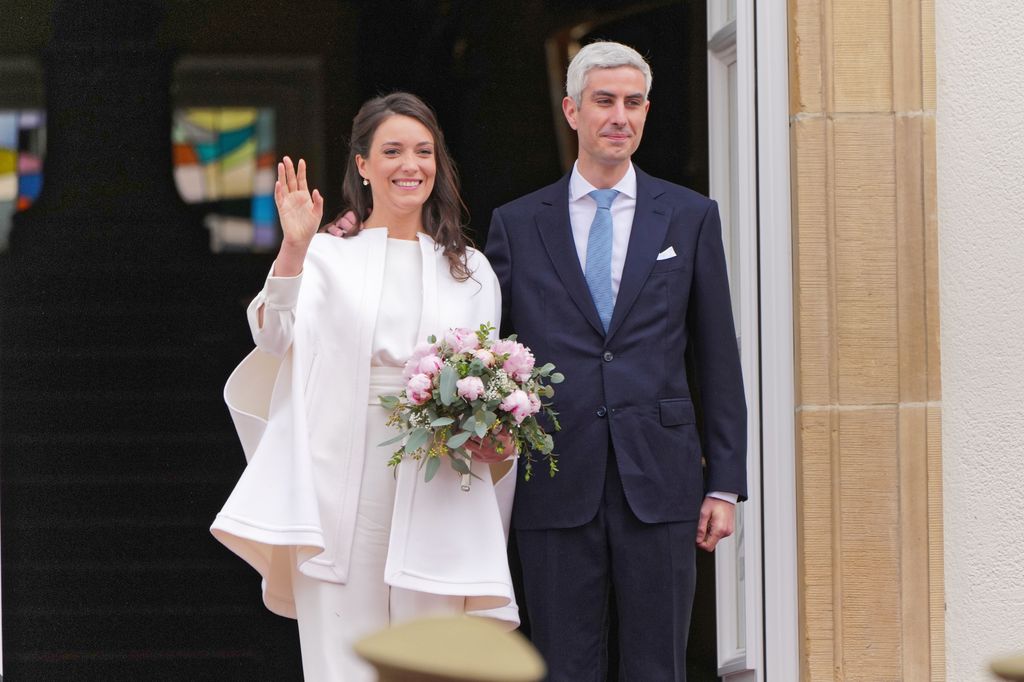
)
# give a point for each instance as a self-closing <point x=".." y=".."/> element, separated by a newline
<point x="603" y="55"/>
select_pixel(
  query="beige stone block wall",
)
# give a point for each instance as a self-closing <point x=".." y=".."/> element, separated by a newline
<point x="868" y="392"/>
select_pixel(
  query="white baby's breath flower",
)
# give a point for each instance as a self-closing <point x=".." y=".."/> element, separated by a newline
<point x="504" y="383"/>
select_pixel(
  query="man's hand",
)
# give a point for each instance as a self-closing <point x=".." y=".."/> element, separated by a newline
<point x="343" y="225"/>
<point x="486" y="450"/>
<point x="717" y="519"/>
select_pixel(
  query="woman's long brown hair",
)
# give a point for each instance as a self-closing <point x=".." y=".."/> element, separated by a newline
<point x="444" y="213"/>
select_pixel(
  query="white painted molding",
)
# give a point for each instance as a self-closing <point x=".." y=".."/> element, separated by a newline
<point x="733" y="183"/>
<point x="781" y="642"/>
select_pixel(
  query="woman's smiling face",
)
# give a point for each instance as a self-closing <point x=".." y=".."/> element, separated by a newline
<point x="400" y="165"/>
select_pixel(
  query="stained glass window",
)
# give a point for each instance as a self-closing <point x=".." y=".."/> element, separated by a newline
<point x="22" y="146"/>
<point x="224" y="157"/>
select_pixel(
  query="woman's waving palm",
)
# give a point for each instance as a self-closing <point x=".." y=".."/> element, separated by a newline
<point x="300" y="213"/>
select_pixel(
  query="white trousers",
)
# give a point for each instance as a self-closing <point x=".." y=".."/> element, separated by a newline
<point x="333" y="616"/>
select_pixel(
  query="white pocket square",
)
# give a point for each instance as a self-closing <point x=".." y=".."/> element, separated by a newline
<point x="667" y="253"/>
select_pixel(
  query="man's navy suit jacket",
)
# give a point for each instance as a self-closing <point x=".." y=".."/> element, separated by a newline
<point x="627" y="389"/>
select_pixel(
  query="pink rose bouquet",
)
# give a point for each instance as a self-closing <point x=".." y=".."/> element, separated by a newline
<point x="467" y="386"/>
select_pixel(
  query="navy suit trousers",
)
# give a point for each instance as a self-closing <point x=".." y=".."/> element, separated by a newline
<point x="569" y="573"/>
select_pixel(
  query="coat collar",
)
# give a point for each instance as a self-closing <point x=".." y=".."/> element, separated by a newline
<point x="650" y="225"/>
<point x="556" y="233"/>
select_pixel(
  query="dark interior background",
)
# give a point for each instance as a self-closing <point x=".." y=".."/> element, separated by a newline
<point x="118" y="327"/>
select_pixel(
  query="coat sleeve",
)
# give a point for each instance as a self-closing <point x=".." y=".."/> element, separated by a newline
<point x="278" y="299"/>
<point x="499" y="253"/>
<point x="716" y="357"/>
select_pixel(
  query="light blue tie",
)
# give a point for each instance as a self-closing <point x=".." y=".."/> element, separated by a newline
<point x="599" y="255"/>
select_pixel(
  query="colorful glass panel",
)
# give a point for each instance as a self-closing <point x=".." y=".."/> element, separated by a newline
<point x="22" y="147"/>
<point x="225" y="157"/>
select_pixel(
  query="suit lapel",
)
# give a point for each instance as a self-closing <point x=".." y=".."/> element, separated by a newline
<point x="556" y="234"/>
<point x="650" y="225"/>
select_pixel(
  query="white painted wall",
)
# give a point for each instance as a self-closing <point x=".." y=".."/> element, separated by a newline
<point x="980" y="146"/>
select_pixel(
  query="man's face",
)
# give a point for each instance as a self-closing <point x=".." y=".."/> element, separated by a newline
<point x="610" y="117"/>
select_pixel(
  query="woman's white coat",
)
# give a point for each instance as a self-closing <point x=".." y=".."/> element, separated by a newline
<point x="299" y="402"/>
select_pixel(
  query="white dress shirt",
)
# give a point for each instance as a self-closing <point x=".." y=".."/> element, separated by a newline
<point x="583" y="208"/>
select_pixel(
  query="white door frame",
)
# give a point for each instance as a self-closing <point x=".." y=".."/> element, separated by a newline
<point x="778" y="402"/>
<point x="749" y="176"/>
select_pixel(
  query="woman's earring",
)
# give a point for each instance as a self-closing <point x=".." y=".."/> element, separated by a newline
<point x="366" y="182"/>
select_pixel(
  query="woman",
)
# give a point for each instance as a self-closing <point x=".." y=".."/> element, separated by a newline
<point x="343" y="543"/>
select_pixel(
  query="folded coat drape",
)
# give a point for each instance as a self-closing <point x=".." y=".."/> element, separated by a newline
<point x="299" y="403"/>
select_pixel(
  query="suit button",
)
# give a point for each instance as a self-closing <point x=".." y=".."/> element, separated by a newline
<point x="608" y="356"/>
<point x="602" y="411"/>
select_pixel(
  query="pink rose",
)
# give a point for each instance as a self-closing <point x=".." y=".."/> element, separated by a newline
<point x="519" y="363"/>
<point x="412" y="365"/>
<point x="505" y="347"/>
<point x="517" y="403"/>
<point x="534" y="403"/>
<point x="470" y="388"/>
<point x="461" y="340"/>
<point x="485" y="356"/>
<point x="430" y="365"/>
<point x="418" y="389"/>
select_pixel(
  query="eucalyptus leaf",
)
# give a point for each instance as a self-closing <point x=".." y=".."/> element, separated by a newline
<point x="433" y="463"/>
<point x="460" y="465"/>
<point x="489" y="418"/>
<point x="469" y="424"/>
<point x="448" y="378"/>
<point x="442" y="421"/>
<point x="557" y="378"/>
<point x="480" y="429"/>
<point x="390" y="441"/>
<point x="459" y="439"/>
<point x="548" y="444"/>
<point x="546" y="369"/>
<point x="417" y="439"/>
<point x="389" y="402"/>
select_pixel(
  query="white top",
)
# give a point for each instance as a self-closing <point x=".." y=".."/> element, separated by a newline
<point x="401" y="302"/>
<point x="583" y="208"/>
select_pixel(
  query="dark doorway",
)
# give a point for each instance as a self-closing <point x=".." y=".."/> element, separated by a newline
<point x="118" y="326"/>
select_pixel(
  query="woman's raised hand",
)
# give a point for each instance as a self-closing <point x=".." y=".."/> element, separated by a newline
<point x="300" y="212"/>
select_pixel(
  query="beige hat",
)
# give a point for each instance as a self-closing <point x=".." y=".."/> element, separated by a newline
<point x="1010" y="668"/>
<point x="451" y="649"/>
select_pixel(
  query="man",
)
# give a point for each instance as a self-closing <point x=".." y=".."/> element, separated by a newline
<point x="612" y="287"/>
